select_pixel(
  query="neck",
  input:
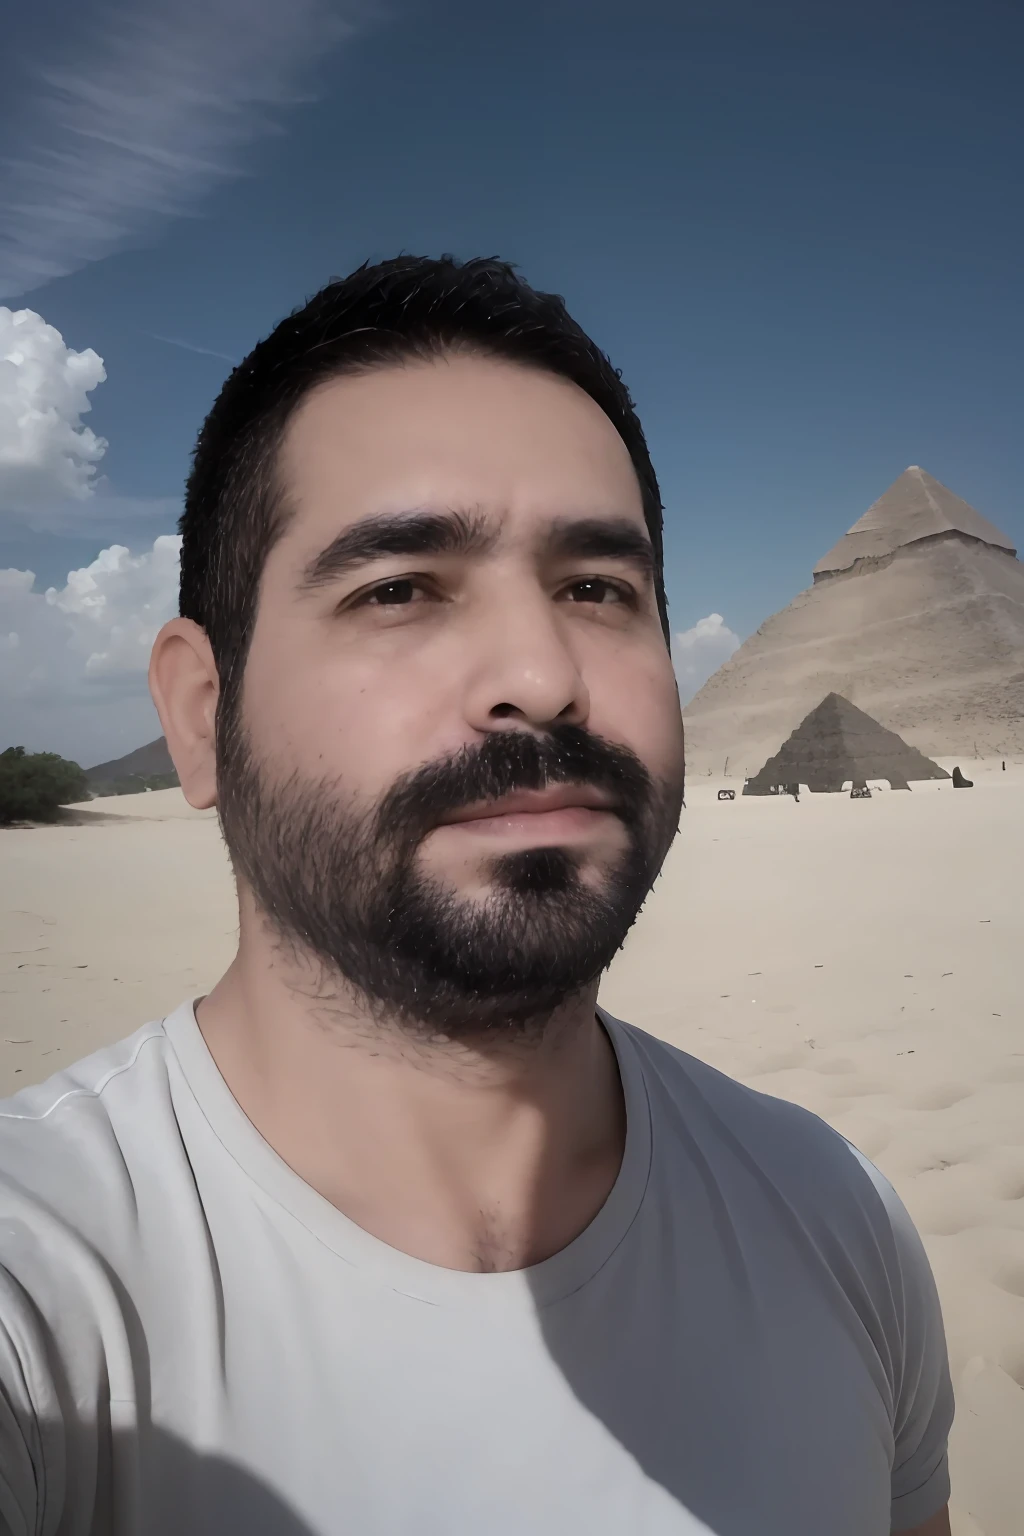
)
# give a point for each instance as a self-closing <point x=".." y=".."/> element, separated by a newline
<point x="478" y="1155"/>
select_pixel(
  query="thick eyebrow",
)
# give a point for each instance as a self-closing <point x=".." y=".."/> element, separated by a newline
<point x="385" y="536"/>
<point x="601" y="538"/>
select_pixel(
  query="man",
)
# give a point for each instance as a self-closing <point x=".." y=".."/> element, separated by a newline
<point x="395" y="1231"/>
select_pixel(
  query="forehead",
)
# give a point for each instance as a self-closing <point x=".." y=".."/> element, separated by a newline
<point x="514" y="442"/>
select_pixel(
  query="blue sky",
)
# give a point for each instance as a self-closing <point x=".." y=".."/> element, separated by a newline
<point x="798" y="228"/>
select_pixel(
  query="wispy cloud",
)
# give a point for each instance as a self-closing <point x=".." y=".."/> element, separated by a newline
<point x="136" y="120"/>
<point x="190" y="346"/>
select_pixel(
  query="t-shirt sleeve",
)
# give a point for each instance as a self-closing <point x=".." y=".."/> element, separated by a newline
<point x="923" y="1410"/>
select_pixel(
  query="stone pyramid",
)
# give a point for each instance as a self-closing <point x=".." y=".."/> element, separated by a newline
<point x="915" y="507"/>
<point x="838" y="743"/>
<point x="916" y="616"/>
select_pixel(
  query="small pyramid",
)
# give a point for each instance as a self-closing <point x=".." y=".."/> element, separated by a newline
<point x="838" y="743"/>
<point x="916" y="506"/>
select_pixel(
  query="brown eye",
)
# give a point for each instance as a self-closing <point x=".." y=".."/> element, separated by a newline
<point x="393" y="594"/>
<point x="595" y="590"/>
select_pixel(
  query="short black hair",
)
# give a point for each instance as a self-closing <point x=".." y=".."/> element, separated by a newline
<point x="408" y="307"/>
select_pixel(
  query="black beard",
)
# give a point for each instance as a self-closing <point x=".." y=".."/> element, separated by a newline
<point x="344" y="886"/>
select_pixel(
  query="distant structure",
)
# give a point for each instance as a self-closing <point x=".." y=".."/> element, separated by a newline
<point x="916" y="615"/>
<point x="916" y="507"/>
<point x="837" y="744"/>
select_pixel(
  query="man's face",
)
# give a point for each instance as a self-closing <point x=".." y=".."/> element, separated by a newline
<point x="458" y="761"/>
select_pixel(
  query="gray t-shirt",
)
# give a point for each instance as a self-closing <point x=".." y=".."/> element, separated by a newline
<point x="746" y="1340"/>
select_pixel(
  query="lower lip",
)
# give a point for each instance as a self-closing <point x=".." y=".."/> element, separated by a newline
<point x="569" y="821"/>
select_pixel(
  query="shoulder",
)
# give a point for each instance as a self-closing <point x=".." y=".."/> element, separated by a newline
<point x="768" y="1155"/>
<point x="83" y="1081"/>
<point x="786" y="1140"/>
<point x="68" y="1145"/>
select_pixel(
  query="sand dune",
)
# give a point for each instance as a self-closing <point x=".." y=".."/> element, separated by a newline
<point x="860" y="958"/>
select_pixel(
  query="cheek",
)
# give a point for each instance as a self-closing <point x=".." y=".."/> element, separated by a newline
<point x="327" y="714"/>
<point x="671" y="721"/>
<point x="639" y="706"/>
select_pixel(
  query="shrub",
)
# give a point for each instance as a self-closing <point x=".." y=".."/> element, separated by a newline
<point x="34" y="785"/>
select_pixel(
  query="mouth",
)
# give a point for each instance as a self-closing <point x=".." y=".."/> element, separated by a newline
<point x="562" y="810"/>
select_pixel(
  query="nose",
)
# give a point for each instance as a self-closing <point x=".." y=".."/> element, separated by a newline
<point x="524" y="672"/>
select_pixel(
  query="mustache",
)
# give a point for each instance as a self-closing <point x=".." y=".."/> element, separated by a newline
<point x="507" y="762"/>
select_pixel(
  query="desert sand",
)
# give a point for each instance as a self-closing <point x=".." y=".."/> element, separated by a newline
<point x="859" y="957"/>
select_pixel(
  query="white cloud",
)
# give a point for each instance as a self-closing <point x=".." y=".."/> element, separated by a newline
<point x="699" y="652"/>
<point x="73" y="660"/>
<point x="46" y="454"/>
<point x="133" y="122"/>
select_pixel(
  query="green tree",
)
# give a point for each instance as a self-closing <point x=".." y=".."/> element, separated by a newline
<point x="34" y="785"/>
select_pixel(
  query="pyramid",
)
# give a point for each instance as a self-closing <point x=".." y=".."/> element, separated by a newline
<point x="916" y="616"/>
<point x="915" y="507"/>
<point x="838" y="743"/>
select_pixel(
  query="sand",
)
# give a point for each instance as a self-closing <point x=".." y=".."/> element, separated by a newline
<point x="859" y="957"/>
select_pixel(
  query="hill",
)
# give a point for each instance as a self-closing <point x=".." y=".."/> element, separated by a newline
<point x="148" y="767"/>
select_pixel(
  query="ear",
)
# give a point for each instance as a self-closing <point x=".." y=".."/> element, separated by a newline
<point x="185" y="687"/>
